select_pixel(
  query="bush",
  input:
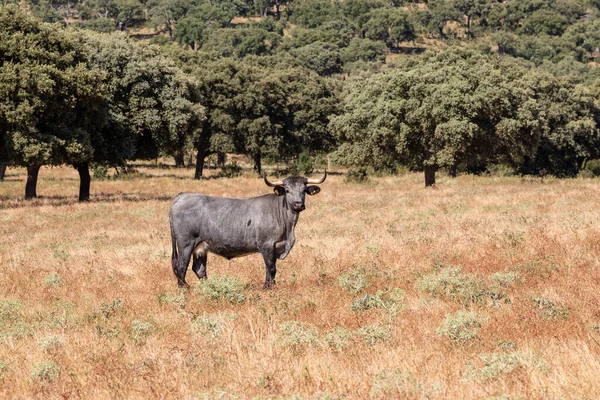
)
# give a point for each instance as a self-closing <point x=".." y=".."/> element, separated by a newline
<point x="494" y="365"/>
<point x="177" y="298"/>
<point x="297" y="334"/>
<point x="375" y="333"/>
<point x="105" y="318"/>
<point x="354" y="279"/>
<point x="548" y="310"/>
<point x="220" y="288"/>
<point x="593" y="166"/>
<point x="388" y="300"/>
<point x="140" y="331"/>
<point x="505" y="280"/>
<point x="460" y="327"/>
<point x="51" y="343"/>
<point x="45" y="372"/>
<point x="453" y="283"/>
<point x="11" y="325"/>
<point x="230" y="171"/>
<point x="357" y="175"/>
<point x="53" y="280"/>
<point x="394" y="383"/>
<point x="339" y="338"/>
<point x="212" y="324"/>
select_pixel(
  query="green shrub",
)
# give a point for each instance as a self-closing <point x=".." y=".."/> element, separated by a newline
<point x="593" y="166"/>
<point x="548" y="310"/>
<point x="45" y="372"/>
<point x="354" y="279"/>
<point x="50" y="343"/>
<point x="106" y="318"/>
<point x="11" y="325"/>
<point x="388" y="300"/>
<point x="494" y="365"/>
<point x="374" y="333"/>
<point x="339" y="338"/>
<point x="297" y="334"/>
<point x="453" y="283"/>
<point x="212" y="324"/>
<point x="503" y="280"/>
<point x="394" y="383"/>
<point x="177" y="298"/>
<point x="460" y="327"/>
<point x="357" y="175"/>
<point x="221" y="288"/>
<point x="230" y="170"/>
<point x="140" y="331"/>
<point x="53" y="280"/>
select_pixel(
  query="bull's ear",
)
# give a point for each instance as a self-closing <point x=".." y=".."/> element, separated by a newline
<point x="311" y="190"/>
<point x="279" y="190"/>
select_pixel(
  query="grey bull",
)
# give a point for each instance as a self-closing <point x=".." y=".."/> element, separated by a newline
<point x="237" y="227"/>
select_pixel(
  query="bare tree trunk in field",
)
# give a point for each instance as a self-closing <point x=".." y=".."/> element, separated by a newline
<point x="84" y="181"/>
<point x="179" y="159"/>
<point x="452" y="171"/>
<point x="200" y="161"/>
<point x="257" y="163"/>
<point x="429" y="175"/>
<point x="2" y="171"/>
<point x="31" y="185"/>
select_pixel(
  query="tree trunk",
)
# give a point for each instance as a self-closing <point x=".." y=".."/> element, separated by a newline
<point x="84" y="181"/>
<point x="221" y="158"/>
<point x="179" y="159"/>
<point x="257" y="165"/>
<point x="429" y="175"/>
<point x="31" y="185"/>
<point x="200" y="161"/>
<point x="2" y="171"/>
<point x="452" y="171"/>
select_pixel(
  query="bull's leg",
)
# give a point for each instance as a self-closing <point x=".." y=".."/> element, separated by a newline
<point x="270" y="260"/>
<point x="181" y="266"/>
<point x="199" y="262"/>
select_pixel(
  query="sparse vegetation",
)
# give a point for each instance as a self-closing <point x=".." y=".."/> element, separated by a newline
<point x="460" y="327"/>
<point x="221" y="288"/>
<point x="118" y="324"/>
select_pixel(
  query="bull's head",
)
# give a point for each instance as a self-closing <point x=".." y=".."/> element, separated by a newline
<point x="295" y="188"/>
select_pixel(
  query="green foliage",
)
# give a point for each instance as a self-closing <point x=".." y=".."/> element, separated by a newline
<point x="12" y="327"/>
<point x="547" y="309"/>
<point x="354" y="279"/>
<point x="230" y="170"/>
<point x="339" y="338"/>
<point x="106" y="319"/>
<point x="505" y="279"/>
<point x="53" y="280"/>
<point x="45" y="372"/>
<point x="3" y="369"/>
<point x="297" y="335"/>
<point x="141" y="330"/>
<point x="375" y="333"/>
<point x="394" y="383"/>
<point x="387" y="300"/>
<point x="177" y="298"/>
<point x="593" y="166"/>
<point x="221" y="288"/>
<point x="460" y="327"/>
<point x="212" y="324"/>
<point x="357" y="175"/>
<point x="323" y="58"/>
<point x="451" y="282"/>
<point x="51" y="343"/>
<point x="494" y="366"/>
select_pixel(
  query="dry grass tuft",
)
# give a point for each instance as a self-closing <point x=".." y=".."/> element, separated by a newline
<point x="89" y="306"/>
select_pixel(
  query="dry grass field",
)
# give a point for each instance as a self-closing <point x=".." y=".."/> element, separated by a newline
<point x="481" y="287"/>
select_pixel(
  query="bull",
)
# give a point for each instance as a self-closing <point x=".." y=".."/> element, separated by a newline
<point x="237" y="227"/>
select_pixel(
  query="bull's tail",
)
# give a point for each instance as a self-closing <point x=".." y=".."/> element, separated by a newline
<point x="175" y="253"/>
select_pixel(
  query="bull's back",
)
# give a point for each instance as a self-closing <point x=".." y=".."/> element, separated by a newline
<point x="230" y="227"/>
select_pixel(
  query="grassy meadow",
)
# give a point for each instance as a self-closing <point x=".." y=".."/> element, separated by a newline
<point x="481" y="287"/>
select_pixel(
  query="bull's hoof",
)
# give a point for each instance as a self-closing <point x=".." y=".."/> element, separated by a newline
<point x="269" y="285"/>
<point x="183" y="285"/>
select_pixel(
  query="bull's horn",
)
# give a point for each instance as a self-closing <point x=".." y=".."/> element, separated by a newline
<point x="316" y="182"/>
<point x="272" y="184"/>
